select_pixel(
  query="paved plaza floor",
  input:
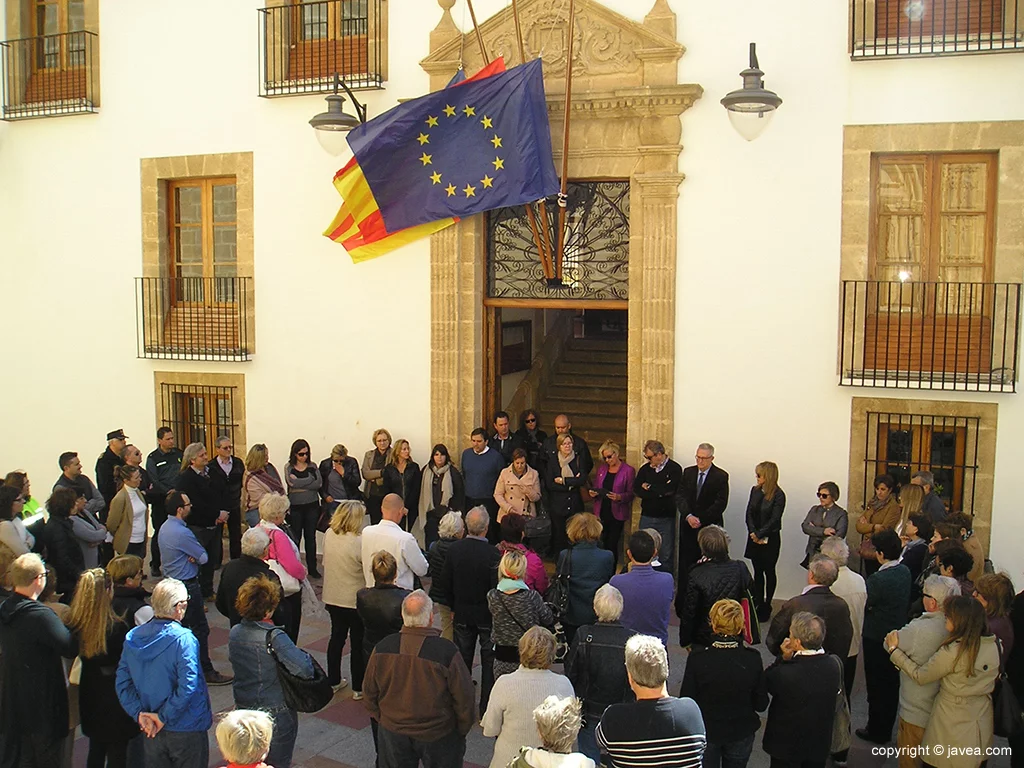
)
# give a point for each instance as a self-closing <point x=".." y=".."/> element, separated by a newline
<point x="339" y="735"/>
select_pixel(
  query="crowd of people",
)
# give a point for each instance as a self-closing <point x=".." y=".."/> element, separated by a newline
<point x="522" y="549"/>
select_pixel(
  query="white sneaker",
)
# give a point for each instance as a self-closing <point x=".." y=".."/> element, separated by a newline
<point x="339" y="686"/>
<point x="357" y="695"/>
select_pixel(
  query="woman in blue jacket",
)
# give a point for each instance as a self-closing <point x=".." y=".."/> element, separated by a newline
<point x="256" y="685"/>
<point x="589" y="569"/>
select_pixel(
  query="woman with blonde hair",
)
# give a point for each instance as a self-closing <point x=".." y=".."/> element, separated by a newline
<point x="244" y="737"/>
<point x="589" y="567"/>
<point x="374" y="462"/>
<point x="343" y="578"/>
<point x="514" y="609"/>
<point x="260" y="479"/>
<point x="100" y="634"/>
<point x="402" y="477"/>
<point x="283" y="557"/>
<point x="128" y="519"/>
<point x="613" y="495"/>
<point x="966" y="666"/>
<point x="726" y="679"/>
<point x="911" y="500"/>
<point x="765" y="508"/>
<point x="509" y="714"/>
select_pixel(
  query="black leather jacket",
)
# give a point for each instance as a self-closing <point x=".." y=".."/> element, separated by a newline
<point x="380" y="608"/>
<point x="709" y="582"/>
<point x="596" y="666"/>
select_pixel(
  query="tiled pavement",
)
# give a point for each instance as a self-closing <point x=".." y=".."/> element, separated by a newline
<point x="339" y="736"/>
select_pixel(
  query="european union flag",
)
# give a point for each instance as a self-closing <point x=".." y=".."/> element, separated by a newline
<point x="460" y="151"/>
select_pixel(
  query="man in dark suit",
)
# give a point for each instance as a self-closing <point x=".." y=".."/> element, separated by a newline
<point x="231" y="470"/>
<point x="817" y="598"/>
<point x="803" y="685"/>
<point x="702" y="498"/>
<point x="476" y="563"/>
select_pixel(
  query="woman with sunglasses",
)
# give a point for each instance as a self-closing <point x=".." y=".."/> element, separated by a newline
<point x="825" y="519"/>
<point x="533" y="438"/>
<point x="303" y="479"/>
<point x="613" y="496"/>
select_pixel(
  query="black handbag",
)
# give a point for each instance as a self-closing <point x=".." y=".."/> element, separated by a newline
<point x="558" y="593"/>
<point x="300" y="694"/>
<point x="1007" y="718"/>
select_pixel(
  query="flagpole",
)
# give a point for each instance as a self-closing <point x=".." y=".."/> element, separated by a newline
<point x="479" y="37"/>
<point x="562" y="201"/>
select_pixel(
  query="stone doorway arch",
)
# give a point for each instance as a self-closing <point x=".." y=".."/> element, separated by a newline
<point x="625" y="124"/>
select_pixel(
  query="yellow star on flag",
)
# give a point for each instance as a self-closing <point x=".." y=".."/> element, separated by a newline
<point x="487" y="122"/>
<point x="423" y="139"/>
<point x="487" y="181"/>
<point x="450" y="189"/>
<point x="425" y="158"/>
<point x="498" y="163"/>
<point x="496" y="141"/>
<point x="449" y="110"/>
<point x="435" y="177"/>
<point x="469" y="111"/>
<point x="470" y="191"/>
<point x="432" y="121"/>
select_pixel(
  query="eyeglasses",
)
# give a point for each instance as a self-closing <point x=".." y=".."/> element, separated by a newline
<point x="608" y="457"/>
<point x="531" y="421"/>
<point x="933" y="597"/>
<point x="181" y="602"/>
<point x="703" y="458"/>
<point x="225" y="447"/>
<point x="335" y="461"/>
<point x="302" y="453"/>
<point x="649" y="456"/>
<point x="823" y="495"/>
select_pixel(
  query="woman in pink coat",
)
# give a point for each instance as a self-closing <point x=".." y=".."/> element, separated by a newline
<point x="613" y="496"/>
<point x="285" y="554"/>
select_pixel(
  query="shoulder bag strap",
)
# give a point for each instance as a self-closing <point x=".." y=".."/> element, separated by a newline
<point x="501" y="599"/>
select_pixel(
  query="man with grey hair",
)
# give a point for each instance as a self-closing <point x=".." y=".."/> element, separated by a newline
<point x="817" y="598"/>
<point x="160" y="684"/>
<point x="254" y="545"/>
<point x="920" y="639"/>
<point x="670" y="731"/>
<point x="419" y="690"/>
<point x="851" y="587"/>
<point x="701" y="500"/>
<point x="656" y="485"/>
<point x="469" y="573"/>
<point x="595" y="665"/>
<point x="931" y="504"/>
<point x="803" y="684"/>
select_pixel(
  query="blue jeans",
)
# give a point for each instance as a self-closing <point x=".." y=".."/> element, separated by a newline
<point x="398" y="751"/>
<point x="666" y="526"/>
<point x="178" y="749"/>
<point x="252" y="517"/>
<point x="730" y="754"/>
<point x="282" y="744"/>
<point x="587" y="738"/>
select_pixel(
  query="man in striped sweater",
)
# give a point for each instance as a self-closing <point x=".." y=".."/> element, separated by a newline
<point x="657" y="729"/>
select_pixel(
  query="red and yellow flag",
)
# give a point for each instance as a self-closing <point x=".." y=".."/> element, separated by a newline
<point x="359" y="226"/>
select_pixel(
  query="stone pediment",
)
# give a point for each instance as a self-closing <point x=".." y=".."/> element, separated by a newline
<point x="609" y="51"/>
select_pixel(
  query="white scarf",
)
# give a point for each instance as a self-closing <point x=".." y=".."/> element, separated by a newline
<point x="427" y="487"/>
<point x="564" y="461"/>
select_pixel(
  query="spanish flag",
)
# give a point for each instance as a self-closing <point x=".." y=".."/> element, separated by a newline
<point x="359" y="225"/>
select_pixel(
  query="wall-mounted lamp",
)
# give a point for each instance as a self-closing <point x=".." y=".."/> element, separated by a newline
<point x="751" y="107"/>
<point x="332" y="125"/>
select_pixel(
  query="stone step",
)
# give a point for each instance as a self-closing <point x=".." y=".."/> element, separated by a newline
<point x="594" y="371"/>
<point x="607" y="377"/>
<point x="587" y="392"/>
<point x="572" y="356"/>
<point x="599" y="344"/>
<point x="582" y="409"/>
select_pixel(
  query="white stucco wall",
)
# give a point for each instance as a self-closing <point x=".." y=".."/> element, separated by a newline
<point x="342" y="349"/>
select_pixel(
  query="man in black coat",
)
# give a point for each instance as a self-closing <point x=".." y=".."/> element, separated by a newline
<point x="476" y="563"/>
<point x="108" y="461"/>
<point x="33" y="692"/>
<point x="803" y="685"/>
<point x="248" y="564"/>
<point x="817" y="598"/>
<point x="701" y="500"/>
<point x="205" y="490"/>
<point x="504" y="440"/>
<point x="230" y="469"/>
<point x="163" y="466"/>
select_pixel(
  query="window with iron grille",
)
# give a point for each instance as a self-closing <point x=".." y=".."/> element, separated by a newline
<point x="199" y="413"/>
<point x="901" y="444"/>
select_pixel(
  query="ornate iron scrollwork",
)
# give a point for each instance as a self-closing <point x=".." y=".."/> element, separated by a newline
<point x="596" y="261"/>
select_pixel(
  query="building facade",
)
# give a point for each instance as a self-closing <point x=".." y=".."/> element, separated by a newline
<point x="840" y="296"/>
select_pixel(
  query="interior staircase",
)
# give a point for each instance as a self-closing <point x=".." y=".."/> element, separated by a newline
<point x="589" y="385"/>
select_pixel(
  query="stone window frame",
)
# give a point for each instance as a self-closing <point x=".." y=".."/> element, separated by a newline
<point x="236" y="381"/>
<point x="18" y="24"/>
<point x="157" y="172"/>
<point x="987" y="415"/>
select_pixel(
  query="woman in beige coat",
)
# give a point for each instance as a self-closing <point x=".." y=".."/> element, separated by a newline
<point x="518" y="487"/>
<point x="967" y="665"/>
<point x="128" y="520"/>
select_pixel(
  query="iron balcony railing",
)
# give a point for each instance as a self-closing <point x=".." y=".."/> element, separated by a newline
<point x="195" y="318"/>
<point x="923" y="335"/>
<point x="887" y="28"/>
<point x="302" y="46"/>
<point x="49" y="75"/>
